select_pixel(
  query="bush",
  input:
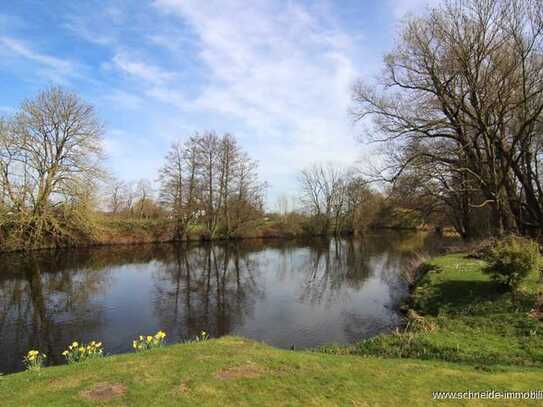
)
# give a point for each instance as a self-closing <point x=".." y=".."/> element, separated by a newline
<point x="512" y="260"/>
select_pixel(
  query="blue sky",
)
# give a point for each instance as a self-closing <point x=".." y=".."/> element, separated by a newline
<point x="275" y="73"/>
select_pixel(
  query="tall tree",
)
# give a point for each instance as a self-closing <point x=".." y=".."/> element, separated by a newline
<point x="463" y="91"/>
<point x="210" y="180"/>
<point x="50" y="162"/>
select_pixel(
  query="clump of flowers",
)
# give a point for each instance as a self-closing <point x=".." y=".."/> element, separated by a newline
<point x="34" y="360"/>
<point x="202" y="337"/>
<point x="149" y="342"/>
<point x="79" y="352"/>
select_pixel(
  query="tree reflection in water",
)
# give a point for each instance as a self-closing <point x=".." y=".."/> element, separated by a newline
<point x="211" y="287"/>
<point x="282" y="292"/>
<point x="43" y="309"/>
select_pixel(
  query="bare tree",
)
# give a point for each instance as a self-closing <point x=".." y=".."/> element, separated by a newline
<point x="210" y="179"/>
<point x="179" y="188"/>
<point x="145" y="206"/>
<point x="208" y="161"/>
<point x="361" y="203"/>
<point x="247" y="197"/>
<point x="323" y="194"/>
<point x="469" y="98"/>
<point x="117" y="195"/>
<point x="50" y="161"/>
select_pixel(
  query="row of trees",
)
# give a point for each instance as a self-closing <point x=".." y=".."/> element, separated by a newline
<point x="339" y="200"/>
<point x="210" y="181"/>
<point x="52" y="179"/>
<point x="460" y="110"/>
<point x="135" y="199"/>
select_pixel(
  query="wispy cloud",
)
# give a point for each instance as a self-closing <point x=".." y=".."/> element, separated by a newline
<point x="277" y="73"/>
<point x="19" y="48"/>
<point x="284" y="70"/>
<point x="123" y="99"/>
<point x="142" y="70"/>
<point x="79" y="26"/>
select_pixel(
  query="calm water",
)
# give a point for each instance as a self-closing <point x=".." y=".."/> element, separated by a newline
<point x="284" y="293"/>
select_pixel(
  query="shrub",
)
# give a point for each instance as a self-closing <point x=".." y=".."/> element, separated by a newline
<point x="34" y="360"/>
<point x="512" y="260"/>
<point x="143" y="343"/>
<point x="80" y="352"/>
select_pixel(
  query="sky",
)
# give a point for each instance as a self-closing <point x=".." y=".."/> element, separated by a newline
<point x="276" y="74"/>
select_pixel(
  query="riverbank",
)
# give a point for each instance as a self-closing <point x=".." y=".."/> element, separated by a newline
<point x="116" y="231"/>
<point x="113" y="231"/>
<point x="236" y="371"/>
<point x="457" y="314"/>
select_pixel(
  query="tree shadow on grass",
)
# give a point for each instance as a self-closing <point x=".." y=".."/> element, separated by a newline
<point x="473" y="298"/>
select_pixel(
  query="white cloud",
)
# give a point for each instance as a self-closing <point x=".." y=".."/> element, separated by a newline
<point x="19" y="48"/>
<point x="79" y="26"/>
<point x="120" y="98"/>
<point x="139" y="69"/>
<point x="169" y="96"/>
<point x="283" y="70"/>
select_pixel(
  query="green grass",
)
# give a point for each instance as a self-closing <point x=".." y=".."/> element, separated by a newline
<point x="474" y="320"/>
<point x="235" y="371"/>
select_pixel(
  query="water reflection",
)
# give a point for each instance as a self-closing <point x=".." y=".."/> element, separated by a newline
<point x="282" y="292"/>
<point x="208" y="287"/>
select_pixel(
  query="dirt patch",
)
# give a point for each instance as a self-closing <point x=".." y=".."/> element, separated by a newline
<point x="247" y="371"/>
<point x="183" y="388"/>
<point x="104" y="392"/>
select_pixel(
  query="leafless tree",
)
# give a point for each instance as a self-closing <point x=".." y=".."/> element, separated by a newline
<point x="117" y="196"/>
<point x="50" y="162"/>
<point x="463" y="91"/>
<point x="324" y="195"/>
<point x="145" y="205"/>
<point x="209" y="179"/>
<point x="179" y="188"/>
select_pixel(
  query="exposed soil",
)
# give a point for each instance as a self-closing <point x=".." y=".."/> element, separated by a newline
<point x="247" y="371"/>
<point x="104" y="392"/>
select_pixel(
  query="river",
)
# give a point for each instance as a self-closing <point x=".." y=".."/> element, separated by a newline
<point x="286" y="293"/>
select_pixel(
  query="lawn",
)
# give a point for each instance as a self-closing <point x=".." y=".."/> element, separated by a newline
<point x="236" y="371"/>
<point x="467" y="318"/>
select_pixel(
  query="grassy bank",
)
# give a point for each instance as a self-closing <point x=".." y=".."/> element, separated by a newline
<point x="235" y="371"/>
<point x="462" y="316"/>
